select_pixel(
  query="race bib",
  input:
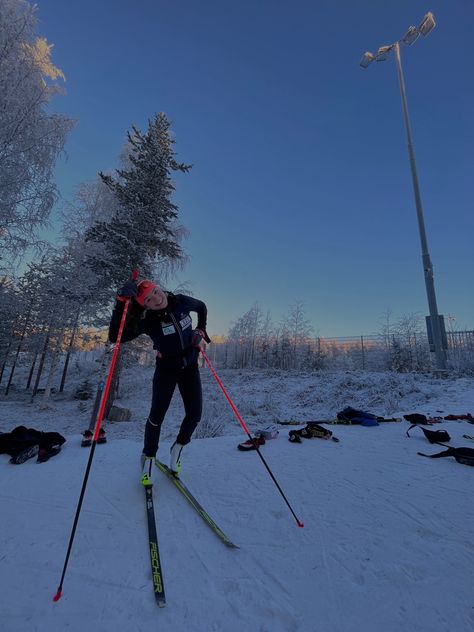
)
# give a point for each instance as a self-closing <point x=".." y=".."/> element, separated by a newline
<point x="186" y="322"/>
<point x="167" y="328"/>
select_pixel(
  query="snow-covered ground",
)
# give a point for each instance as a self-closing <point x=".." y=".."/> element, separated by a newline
<point x="387" y="543"/>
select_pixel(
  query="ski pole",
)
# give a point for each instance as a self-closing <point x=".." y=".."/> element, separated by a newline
<point x="98" y="423"/>
<point x="246" y="430"/>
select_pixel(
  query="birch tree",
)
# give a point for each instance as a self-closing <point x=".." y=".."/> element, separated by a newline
<point x="298" y="330"/>
<point x="244" y="335"/>
<point x="31" y="137"/>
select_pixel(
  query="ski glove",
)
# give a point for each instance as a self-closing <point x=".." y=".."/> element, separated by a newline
<point x="129" y="290"/>
<point x="198" y="336"/>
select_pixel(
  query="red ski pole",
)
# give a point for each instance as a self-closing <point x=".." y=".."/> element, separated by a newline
<point x="246" y="430"/>
<point x="98" y="423"/>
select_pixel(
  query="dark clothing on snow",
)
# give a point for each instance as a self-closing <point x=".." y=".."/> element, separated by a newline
<point x="21" y="438"/>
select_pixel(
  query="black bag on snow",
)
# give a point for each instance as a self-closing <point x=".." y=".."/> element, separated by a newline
<point x="416" y="418"/>
<point x="22" y="438"/>
<point x="433" y="436"/>
<point x="465" y="456"/>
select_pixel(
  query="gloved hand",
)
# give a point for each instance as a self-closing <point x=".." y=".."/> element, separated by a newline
<point x="198" y="335"/>
<point x="129" y="290"/>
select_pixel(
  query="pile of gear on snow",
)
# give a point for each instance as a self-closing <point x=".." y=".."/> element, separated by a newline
<point x="25" y="443"/>
<point x="352" y="416"/>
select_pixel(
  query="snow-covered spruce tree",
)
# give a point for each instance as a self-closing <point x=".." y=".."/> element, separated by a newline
<point x="143" y="228"/>
<point x="31" y="137"/>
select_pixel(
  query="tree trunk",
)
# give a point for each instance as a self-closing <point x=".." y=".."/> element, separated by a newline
<point x="68" y="354"/>
<point x="30" y="376"/>
<point x="13" y="367"/>
<point x="41" y="364"/>
<point x="23" y="333"/>
<point x="52" y="369"/>
<point x="5" y="361"/>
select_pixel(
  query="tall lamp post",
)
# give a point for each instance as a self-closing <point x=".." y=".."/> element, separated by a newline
<point x="435" y="322"/>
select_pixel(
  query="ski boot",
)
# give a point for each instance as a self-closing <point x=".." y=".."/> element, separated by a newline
<point x="146" y="478"/>
<point x="176" y="452"/>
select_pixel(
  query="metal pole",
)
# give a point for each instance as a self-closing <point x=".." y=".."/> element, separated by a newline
<point x="427" y="265"/>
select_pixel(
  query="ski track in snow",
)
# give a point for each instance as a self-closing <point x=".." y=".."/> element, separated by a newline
<point x="387" y="543"/>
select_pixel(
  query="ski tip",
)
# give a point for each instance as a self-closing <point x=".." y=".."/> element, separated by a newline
<point x="300" y="524"/>
<point x="57" y="596"/>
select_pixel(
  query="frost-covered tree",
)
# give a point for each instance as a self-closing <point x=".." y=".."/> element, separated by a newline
<point x="70" y="299"/>
<point x="52" y="301"/>
<point x="144" y="228"/>
<point x="25" y="332"/>
<point x="93" y="202"/>
<point x="409" y="345"/>
<point x="244" y="335"/>
<point x="286" y="356"/>
<point x="298" y="331"/>
<point x="264" y="340"/>
<point x="10" y="325"/>
<point x="31" y="137"/>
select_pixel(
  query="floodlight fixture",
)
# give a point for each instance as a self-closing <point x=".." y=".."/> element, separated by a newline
<point x="366" y="59"/>
<point x="383" y="52"/>
<point x="411" y="36"/>
<point x="435" y="320"/>
<point x="427" y="25"/>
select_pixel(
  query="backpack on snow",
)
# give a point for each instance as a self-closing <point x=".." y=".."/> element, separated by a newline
<point x="465" y="456"/>
<point x="433" y="436"/>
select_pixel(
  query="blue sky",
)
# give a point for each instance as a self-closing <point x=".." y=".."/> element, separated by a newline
<point x="301" y="187"/>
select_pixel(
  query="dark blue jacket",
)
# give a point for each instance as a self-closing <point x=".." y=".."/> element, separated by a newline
<point x="171" y="329"/>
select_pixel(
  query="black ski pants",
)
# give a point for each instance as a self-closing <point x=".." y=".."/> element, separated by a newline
<point x="188" y="381"/>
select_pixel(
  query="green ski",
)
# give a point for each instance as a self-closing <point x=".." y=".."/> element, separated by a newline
<point x="178" y="483"/>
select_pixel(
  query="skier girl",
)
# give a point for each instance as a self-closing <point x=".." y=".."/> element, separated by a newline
<point x="165" y="317"/>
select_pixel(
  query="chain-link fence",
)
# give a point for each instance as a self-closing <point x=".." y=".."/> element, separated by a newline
<point x="373" y="353"/>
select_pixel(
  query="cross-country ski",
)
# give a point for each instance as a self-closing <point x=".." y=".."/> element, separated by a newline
<point x="178" y="483"/>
